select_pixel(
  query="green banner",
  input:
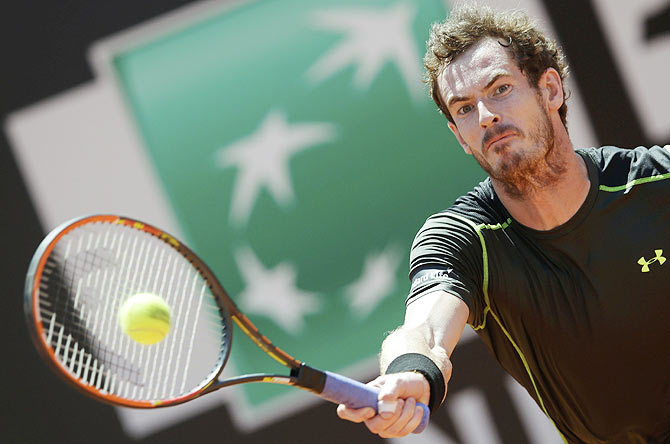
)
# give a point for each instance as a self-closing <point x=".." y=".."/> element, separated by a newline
<point x="300" y="152"/>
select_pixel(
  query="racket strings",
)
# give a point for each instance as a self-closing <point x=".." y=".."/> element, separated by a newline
<point x="73" y="303"/>
<point x="90" y="273"/>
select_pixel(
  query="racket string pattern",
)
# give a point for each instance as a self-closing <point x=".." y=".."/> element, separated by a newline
<point x="86" y="277"/>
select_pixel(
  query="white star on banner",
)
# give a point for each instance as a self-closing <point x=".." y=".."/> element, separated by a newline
<point x="263" y="158"/>
<point x="376" y="282"/>
<point x="373" y="37"/>
<point x="273" y="292"/>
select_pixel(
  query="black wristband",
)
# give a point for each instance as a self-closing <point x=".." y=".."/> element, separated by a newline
<point x="416" y="362"/>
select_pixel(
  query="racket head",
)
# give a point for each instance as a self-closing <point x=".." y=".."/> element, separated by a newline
<point x="77" y="280"/>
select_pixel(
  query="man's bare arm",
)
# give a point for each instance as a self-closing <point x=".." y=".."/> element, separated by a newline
<point x="433" y="325"/>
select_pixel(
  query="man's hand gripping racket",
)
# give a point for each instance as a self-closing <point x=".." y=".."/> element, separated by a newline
<point x="80" y="277"/>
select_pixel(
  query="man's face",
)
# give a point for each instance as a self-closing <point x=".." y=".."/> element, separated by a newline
<point x="499" y="117"/>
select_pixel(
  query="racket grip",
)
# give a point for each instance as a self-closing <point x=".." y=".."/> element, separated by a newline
<point x="342" y="390"/>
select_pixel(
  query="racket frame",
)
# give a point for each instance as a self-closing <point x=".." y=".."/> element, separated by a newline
<point x="300" y="375"/>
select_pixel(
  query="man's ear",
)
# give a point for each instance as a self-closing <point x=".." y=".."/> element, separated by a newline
<point x="466" y="147"/>
<point x="552" y="87"/>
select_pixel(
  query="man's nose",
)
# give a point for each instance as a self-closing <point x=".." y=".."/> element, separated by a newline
<point x="487" y="117"/>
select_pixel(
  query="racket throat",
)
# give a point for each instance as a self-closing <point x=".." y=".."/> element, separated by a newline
<point x="309" y="378"/>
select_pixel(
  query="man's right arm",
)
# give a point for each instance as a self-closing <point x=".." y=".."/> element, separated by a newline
<point x="433" y="325"/>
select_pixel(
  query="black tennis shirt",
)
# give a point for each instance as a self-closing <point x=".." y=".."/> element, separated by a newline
<point x="579" y="315"/>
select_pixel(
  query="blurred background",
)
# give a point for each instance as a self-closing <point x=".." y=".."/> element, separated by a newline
<point x="293" y="146"/>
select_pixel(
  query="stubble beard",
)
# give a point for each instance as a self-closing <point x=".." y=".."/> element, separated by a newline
<point x="523" y="172"/>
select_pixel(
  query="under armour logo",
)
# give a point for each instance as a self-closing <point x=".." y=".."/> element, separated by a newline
<point x="645" y="263"/>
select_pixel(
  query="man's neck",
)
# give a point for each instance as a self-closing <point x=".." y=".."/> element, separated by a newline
<point x="551" y="206"/>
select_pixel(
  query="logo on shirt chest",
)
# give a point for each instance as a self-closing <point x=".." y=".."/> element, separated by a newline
<point x="646" y="263"/>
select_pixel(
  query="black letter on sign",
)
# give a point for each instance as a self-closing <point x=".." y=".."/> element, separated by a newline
<point x="657" y="23"/>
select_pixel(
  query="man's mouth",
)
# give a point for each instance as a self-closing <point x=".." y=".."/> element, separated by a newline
<point x="498" y="138"/>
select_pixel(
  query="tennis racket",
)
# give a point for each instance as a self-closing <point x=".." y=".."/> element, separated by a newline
<point x="85" y="269"/>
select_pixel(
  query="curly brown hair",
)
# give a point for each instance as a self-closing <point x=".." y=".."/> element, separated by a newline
<point x="467" y="24"/>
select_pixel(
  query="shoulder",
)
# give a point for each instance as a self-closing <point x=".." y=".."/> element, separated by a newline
<point x="457" y="228"/>
<point x="479" y="206"/>
<point x="621" y="164"/>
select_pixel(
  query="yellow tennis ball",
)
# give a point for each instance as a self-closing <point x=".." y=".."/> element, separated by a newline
<point x="145" y="318"/>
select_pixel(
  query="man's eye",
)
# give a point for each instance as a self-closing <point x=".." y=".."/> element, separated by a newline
<point x="501" y="89"/>
<point x="464" y="109"/>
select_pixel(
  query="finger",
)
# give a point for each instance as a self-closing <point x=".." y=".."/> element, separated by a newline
<point x="355" y="415"/>
<point x="413" y="423"/>
<point x="405" y="385"/>
<point x="386" y="408"/>
<point x="400" y="426"/>
<point x="378" y="423"/>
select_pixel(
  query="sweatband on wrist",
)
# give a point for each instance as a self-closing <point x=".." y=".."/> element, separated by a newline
<point x="416" y="362"/>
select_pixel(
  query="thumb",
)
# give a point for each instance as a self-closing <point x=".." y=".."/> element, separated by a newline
<point x="404" y="385"/>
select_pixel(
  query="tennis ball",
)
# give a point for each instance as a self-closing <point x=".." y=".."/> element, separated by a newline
<point x="145" y="318"/>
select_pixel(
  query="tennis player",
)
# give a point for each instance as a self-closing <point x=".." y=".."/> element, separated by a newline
<point x="558" y="260"/>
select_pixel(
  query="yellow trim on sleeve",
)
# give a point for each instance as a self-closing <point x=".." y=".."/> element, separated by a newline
<point x="633" y="183"/>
